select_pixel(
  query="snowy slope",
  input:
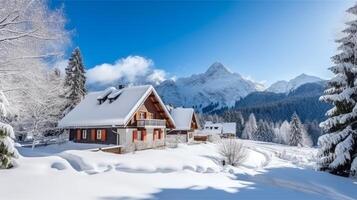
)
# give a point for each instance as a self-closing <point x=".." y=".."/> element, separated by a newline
<point x="271" y="171"/>
<point x="217" y="84"/>
<point x="287" y="86"/>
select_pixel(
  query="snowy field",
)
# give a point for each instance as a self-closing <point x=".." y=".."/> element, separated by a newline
<point x="187" y="172"/>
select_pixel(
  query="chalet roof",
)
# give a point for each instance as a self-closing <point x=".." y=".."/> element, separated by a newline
<point x="110" y="112"/>
<point x="183" y="117"/>
<point x="225" y="127"/>
<point x="229" y="127"/>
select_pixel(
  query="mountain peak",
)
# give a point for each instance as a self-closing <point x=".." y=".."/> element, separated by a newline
<point x="288" y="86"/>
<point x="306" y="78"/>
<point x="303" y="75"/>
<point x="217" y="68"/>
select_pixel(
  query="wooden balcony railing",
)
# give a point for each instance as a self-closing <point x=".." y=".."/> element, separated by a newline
<point x="151" y="122"/>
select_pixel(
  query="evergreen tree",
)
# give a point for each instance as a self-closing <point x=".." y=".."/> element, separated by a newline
<point x="75" y="80"/>
<point x="264" y="132"/>
<point x="296" y="131"/>
<point x="7" y="148"/>
<point x="314" y="130"/>
<point x="338" y="148"/>
<point x="284" y="132"/>
<point x="250" y="127"/>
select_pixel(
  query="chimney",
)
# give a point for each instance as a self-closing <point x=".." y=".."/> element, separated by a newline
<point x="121" y="86"/>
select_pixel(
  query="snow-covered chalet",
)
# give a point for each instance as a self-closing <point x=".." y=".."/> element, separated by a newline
<point x="120" y="116"/>
<point x="186" y="123"/>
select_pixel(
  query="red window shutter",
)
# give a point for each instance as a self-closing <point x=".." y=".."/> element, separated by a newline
<point x="160" y="134"/>
<point x="92" y="134"/>
<point x="78" y="134"/>
<point x="104" y="135"/>
<point x="143" y="135"/>
<point x="135" y="135"/>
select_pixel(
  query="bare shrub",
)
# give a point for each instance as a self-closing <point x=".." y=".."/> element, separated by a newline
<point x="232" y="151"/>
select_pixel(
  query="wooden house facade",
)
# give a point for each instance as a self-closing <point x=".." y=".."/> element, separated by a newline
<point x="132" y="115"/>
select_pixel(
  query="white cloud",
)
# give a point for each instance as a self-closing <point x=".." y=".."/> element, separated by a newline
<point x="174" y="78"/>
<point x="132" y="69"/>
<point x="157" y="76"/>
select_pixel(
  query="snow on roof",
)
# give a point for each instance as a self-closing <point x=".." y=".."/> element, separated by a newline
<point x="182" y="118"/>
<point x="116" y="113"/>
<point x="211" y="124"/>
<point x="105" y="93"/>
<point x="225" y="127"/>
<point x="115" y="94"/>
<point x="229" y="127"/>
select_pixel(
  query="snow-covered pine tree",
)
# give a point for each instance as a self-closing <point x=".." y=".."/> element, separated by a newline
<point x="284" y="132"/>
<point x="75" y="80"/>
<point x="7" y="147"/>
<point x="338" y="148"/>
<point x="296" y="131"/>
<point x="306" y="138"/>
<point x="314" y="130"/>
<point x="250" y="127"/>
<point x="264" y="132"/>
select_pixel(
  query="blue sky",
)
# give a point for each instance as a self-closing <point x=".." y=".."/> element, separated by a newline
<point x="266" y="40"/>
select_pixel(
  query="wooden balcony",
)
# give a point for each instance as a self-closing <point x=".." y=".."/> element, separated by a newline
<point x="151" y="123"/>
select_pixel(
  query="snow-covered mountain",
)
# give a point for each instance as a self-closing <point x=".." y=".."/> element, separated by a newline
<point x="216" y="85"/>
<point x="287" y="86"/>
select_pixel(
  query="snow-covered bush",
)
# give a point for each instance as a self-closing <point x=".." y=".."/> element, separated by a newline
<point x="338" y="148"/>
<point x="232" y="151"/>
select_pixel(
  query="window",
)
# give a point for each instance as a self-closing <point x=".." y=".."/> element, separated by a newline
<point x="150" y="116"/>
<point x="142" y="115"/>
<point x="216" y="127"/>
<point x="84" y="134"/>
<point x="139" y="135"/>
<point x="156" y="134"/>
<point x="99" y="134"/>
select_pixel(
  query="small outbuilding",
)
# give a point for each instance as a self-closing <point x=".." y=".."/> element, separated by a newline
<point x="186" y="123"/>
<point x="225" y="129"/>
